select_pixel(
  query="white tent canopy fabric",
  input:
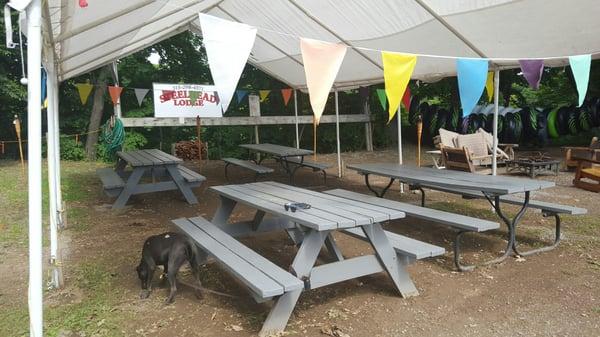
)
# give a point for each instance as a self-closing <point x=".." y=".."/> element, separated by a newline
<point x="87" y="38"/>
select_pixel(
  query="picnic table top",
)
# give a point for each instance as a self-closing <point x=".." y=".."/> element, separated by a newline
<point x="148" y="157"/>
<point x="424" y="176"/>
<point x="277" y="150"/>
<point x="327" y="212"/>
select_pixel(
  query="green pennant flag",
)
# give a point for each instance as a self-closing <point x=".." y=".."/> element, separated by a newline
<point x="382" y="97"/>
<point x="194" y="96"/>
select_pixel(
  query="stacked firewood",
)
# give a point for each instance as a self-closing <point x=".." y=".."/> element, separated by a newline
<point x="188" y="150"/>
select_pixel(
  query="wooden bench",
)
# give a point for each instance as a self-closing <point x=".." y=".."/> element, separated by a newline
<point x="404" y="246"/>
<point x="310" y="164"/>
<point x="547" y="208"/>
<point x="460" y="222"/>
<point x="249" y="165"/>
<point x="191" y="176"/>
<point x="264" y="279"/>
<point x="111" y="181"/>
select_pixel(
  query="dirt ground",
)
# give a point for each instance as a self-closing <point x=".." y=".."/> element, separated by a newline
<point x="551" y="294"/>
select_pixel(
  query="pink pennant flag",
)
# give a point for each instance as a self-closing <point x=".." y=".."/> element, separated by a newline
<point x="322" y="61"/>
<point x="286" y="94"/>
<point x="406" y="98"/>
<point x="115" y="93"/>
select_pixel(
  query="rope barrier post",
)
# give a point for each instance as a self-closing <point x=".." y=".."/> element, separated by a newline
<point x="314" y="138"/>
<point x="2" y="147"/>
<point x="17" y="123"/>
<point x="419" y="134"/>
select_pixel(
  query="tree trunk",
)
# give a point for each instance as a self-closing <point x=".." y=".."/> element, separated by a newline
<point x="97" y="112"/>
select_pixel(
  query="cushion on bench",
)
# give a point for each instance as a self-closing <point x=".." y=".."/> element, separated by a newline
<point x="446" y="218"/>
<point x="259" y="169"/>
<point x="264" y="278"/>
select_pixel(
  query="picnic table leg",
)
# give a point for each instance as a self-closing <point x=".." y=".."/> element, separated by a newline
<point x="378" y="194"/>
<point x="280" y="314"/>
<point x="390" y="261"/>
<point x="333" y="249"/>
<point x="223" y="212"/>
<point x="545" y="248"/>
<point x="129" y="188"/>
<point x="120" y="167"/>
<point x="182" y="184"/>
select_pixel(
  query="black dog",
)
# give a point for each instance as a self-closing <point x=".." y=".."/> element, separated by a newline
<point x="171" y="250"/>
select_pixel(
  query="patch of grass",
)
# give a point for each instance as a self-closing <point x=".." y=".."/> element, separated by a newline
<point x="596" y="310"/>
<point x="584" y="225"/>
<point x="94" y="315"/>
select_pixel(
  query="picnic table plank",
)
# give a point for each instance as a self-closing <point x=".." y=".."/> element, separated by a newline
<point x="315" y="198"/>
<point x="326" y="214"/>
<point x="391" y="212"/>
<point x="338" y="209"/>
<point x="165" y="157"/>
<point x="300" y="216"/>
<point x="277" y="150"/>
<point x="127" y="157"/>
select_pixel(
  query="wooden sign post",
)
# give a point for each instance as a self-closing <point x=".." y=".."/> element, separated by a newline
<point x="314" y="138"/>
<point x="17" y="123"/>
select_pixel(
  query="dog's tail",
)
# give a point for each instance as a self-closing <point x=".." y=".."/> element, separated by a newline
<point x="194" y="253"/>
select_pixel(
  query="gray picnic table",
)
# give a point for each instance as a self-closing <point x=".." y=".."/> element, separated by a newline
<point x="493" y="188"/>
<point x="290" y="158"/>
<point x="311" y="229"/>
<point x="164" y="169"/>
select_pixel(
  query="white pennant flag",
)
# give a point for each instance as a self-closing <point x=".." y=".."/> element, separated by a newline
<point x="228" y="45"/>
<point x="140" y="94"/>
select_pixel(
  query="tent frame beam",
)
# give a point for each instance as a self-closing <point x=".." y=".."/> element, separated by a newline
<point x="330" y="31"/>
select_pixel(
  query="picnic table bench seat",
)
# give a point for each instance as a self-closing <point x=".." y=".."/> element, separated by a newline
<point x="547" y="208"/>
<point x="247" y="164"/>
<point x="460" y="222"/>
<point x="111" y="181"/>
<point x="404" y="246"/>
<point x="315" y="166"/>
<point x="263" y="278"/>
<point x="190" y="175"/>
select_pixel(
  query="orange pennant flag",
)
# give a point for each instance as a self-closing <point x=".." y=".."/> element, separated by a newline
<point x="115" y="93"/>
<point x="287" y="94"/>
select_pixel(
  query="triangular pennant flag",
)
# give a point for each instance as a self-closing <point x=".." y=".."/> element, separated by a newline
<point x="580" y="66"/>
<point x="322" y="61"/>
<point x="532" y="71"/>
<point x="382" y="98"/>
<point x="240" y="94"/>
<point x="228" y="45"/>
<point x="115" y="93"/>
<point x="193" y="96"/>
<point x="406" y="98"/>
<point x="397" y="69"/>
<point x="140" y="94"/>
<point x="84" y="91"/>
<point x="286" y="94"/>
<point x="364" y="92"/>
<point x="489" y="85"/>
<point x="472" y="74"/>
<point x="263" y="94"/>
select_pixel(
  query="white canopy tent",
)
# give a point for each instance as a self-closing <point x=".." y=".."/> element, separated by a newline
<point x="76" y="40"/>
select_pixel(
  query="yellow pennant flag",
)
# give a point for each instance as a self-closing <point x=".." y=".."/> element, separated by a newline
<point x="489" y="85"/>
<point x="263" y="94"/>
<point x="84" y="91"/>
<point x="397" y="69"/>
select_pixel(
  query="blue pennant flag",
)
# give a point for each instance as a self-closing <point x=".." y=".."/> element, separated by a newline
<point x="472" y="75"/>
<point x="240" y="94"/>
<point x="580" y="66"/>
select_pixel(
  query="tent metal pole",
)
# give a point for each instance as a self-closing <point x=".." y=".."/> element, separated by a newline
<point x="115" y="70"/>
<point x="400" y="161"/>
<point x="296" y="117"/>
<point x="56" y="140"/>
<point x="495" y="125"/>
<point x="52" y="167"/>
<point x="34" y="154"/>
<point x="337" y="133"/>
